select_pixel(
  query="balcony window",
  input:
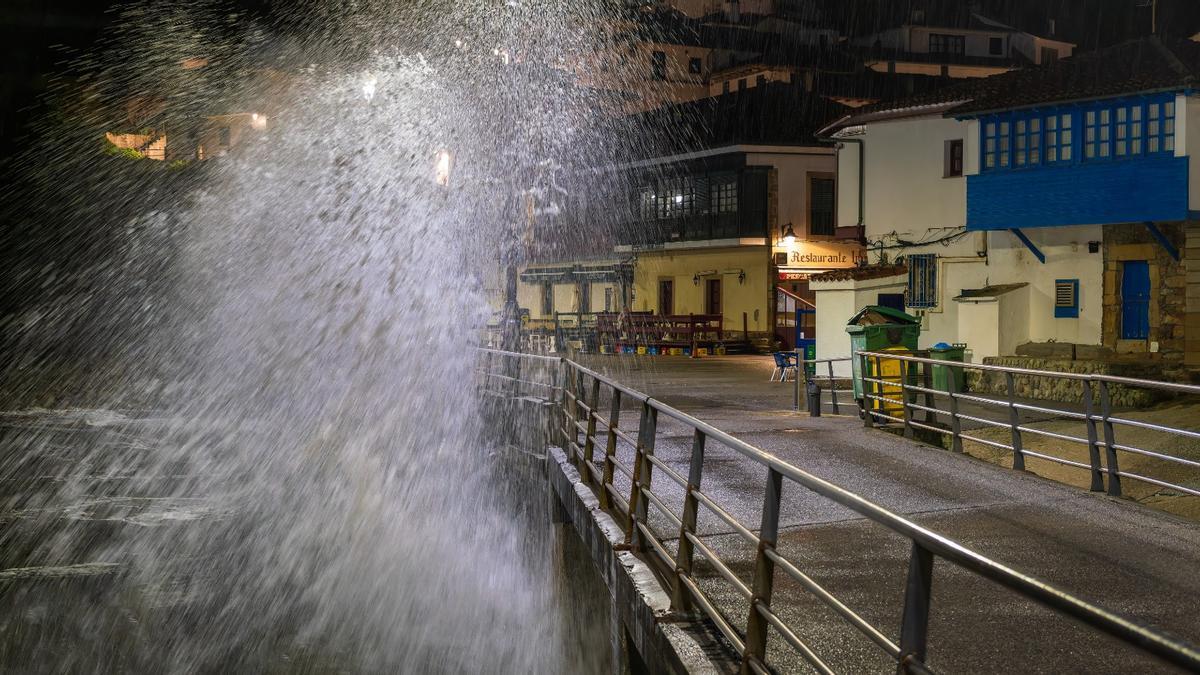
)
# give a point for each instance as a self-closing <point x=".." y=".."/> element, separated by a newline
<point x="1059" y="138"/>
<point x="953" y="45"/>
<point x="922" y="281"/>
<point x="724" y="195"/>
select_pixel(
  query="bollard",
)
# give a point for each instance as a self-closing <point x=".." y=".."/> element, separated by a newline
<point x="814" y="399"/>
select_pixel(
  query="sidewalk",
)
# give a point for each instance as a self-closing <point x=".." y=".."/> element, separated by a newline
<point x="1125" y="557"/>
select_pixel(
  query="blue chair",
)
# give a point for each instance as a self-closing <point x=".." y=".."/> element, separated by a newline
<point x="783" y="363"/>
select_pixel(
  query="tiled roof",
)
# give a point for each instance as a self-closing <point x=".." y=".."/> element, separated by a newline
<point x="861" y="273"/>
<point x="1132" y="67"/>
<point x="1138" y="66"/>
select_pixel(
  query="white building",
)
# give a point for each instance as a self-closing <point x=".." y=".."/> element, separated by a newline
<point x="1025" y="213"/>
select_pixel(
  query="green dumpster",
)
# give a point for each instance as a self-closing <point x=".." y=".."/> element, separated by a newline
<point x="878" y="328"/>
<point x="942" y="374"/>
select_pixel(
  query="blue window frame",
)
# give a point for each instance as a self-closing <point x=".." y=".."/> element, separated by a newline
<point x="1066" y="298"/>
<point x="922" y="280"/>
<point x="1113" y="129"/>
<point x="1060" y="137"/>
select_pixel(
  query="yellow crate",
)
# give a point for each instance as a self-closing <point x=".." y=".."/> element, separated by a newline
<point x="701" y="351"/>
<point x="642" y="350"/>
<point x="676" y="351"/>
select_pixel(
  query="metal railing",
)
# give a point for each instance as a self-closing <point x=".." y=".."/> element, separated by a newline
<point x="580" y="395"/>
<point x="830" y="385"/>
<point x="892" y="398"/>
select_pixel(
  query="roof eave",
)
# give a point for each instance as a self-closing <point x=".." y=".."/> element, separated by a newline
<point x="1086" y="99"/>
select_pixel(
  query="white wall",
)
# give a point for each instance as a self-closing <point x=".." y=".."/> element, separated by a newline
<point x="793" y="170"/>
<point x="838" y="301"/>
<point x="905" y="190"/>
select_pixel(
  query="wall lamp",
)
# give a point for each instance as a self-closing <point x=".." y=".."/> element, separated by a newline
<point x="789" y="235"/>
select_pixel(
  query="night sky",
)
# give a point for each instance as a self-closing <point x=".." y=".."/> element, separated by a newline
<point x="38" y="36"/>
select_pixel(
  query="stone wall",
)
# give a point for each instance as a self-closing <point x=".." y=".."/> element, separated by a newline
<point x="1067" y="390"/>
<point x="1168" y="283"/>
<point x="1191" y="324"/>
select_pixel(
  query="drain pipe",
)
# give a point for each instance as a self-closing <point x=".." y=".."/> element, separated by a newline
<point x="862" y="172"/>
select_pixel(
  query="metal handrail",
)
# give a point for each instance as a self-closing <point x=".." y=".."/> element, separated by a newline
<point x="832" y="380"/>
<point x="573" y="392"/>
<point x="882" y="396"/>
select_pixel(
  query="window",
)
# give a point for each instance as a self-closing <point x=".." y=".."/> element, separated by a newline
<point x="695" y="66"/>
<point x="742" y="84"/>
<point x="947" y="44"/>
<point x="989" y="145"/>
<point x="922" y="280"/>
<point x="1066" y="299"/>
<point x="760" y="81"/>
<point x="724" y="195"/>
<point x="547" y="300"/>
<point x="223" y="133"/>
<point x="1058" y="138"/>
<point x="996" y="46"/>
<point x="725" y="87"/>
<point x="1049" y="55"/>
<point x="608" y="300"/>
<point x="821" y="198"/>
<point x="1098" y="132"/>
<point x="1160" y="126"/>
<point x="1028" y="141"/>
<point x="1002" y="144"/>
<point x="953" y="159"/>
<point x="658" y="65"/>
<point x="585" y="297"/>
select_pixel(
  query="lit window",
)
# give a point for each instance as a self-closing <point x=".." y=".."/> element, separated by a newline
<point x="989" y="145"/>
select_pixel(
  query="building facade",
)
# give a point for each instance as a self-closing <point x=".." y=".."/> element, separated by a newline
<point x="1051" y="207"/>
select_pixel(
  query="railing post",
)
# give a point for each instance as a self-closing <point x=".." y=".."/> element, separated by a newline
<point x="867" y="402"/>
<point x="610" y="450"/>
<point x="796" y="389"/>
<point x="832" y="389"/>
<point x="487" y="371"/>
<point x="914" y="627"/>
<point x="926" y="370"/>
<point x="1093" y="438"/>
<point x="680" y="597"/>
<point x="647" y="432"/>
<point x="955" y="421"/>
<point x="906" y="395"/>
<point x="564" y="408"/>
<point x="516" y="377"/>
<point x="589" y="440"/>
<point x="1014" y="422"/>
<point x="764" y="573"/>
<point x="1110" y="450"/>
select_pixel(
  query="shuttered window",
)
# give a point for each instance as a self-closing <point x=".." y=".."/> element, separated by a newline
<point x="821" y="215"/>
<point x="1066" y="299"/>
<point x="922" y="280"/>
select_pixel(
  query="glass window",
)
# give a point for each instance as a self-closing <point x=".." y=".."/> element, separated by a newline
<point x="1066" y="138"/>
<point x="724" y="195"/>
<point x="1002" y="145"/>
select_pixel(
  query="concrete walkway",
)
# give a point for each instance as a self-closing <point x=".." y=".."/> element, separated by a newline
<point x="1125" y="557"/>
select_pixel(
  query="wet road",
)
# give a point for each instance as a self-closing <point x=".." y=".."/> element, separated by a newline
<point x="1139" y="562"/>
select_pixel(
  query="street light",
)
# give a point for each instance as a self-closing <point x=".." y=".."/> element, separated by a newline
<point x="789" y="235"/>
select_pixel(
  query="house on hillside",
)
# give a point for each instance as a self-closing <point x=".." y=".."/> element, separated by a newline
<point x="1046" y="212"/>
<point x="959" y="42"/>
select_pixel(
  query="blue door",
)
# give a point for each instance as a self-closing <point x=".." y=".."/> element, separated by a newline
<point x="1135" y="300"/>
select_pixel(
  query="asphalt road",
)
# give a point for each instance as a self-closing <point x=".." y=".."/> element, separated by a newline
<point x="1127" y="558"/>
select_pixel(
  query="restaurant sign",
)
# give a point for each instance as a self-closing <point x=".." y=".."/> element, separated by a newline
<point x="797" y="261"/>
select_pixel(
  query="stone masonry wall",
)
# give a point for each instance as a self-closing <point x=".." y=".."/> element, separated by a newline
<point x="1065" y="390"/>
<point x="1168" y="283"/>
<point x="1191" y="325"/>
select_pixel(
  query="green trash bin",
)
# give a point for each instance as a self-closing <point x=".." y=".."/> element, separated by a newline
<point x="875" y="329"/>
<point x="942" y="374"/>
